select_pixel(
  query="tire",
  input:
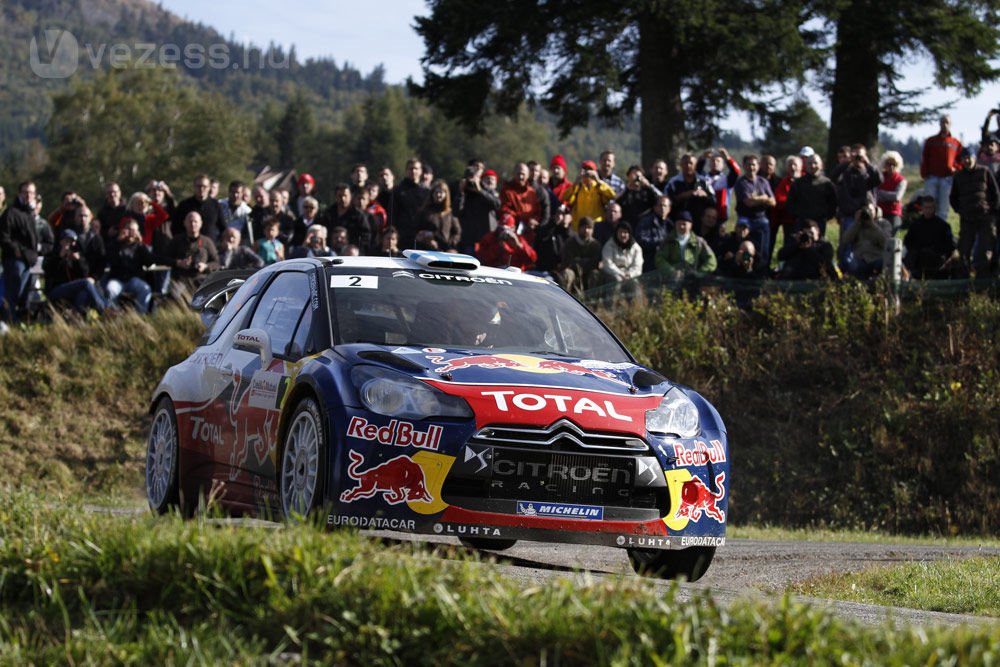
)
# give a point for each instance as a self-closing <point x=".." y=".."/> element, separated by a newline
<point x="303" y="461"/>
<point x="486" y="543"/>
<point x="690" y="564"/>
<point x="162" y="459"/>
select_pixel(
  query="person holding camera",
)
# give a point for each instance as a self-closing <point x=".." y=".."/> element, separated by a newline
<point x="588" y="195"/>
<point x="638" y="197"/>
<point x="864" y="243"/>
<point x="503" y="247"/>
<point x="688" y="190"/>
<point x="128" y="258"/>
<point x="855" y="181"/>
<point x="66" y="279"/>
<point x="807" y="255"/>
<point x="477" y="206"/>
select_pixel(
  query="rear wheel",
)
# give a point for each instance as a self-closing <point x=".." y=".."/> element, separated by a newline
<point x="487" y="543"/>
<point x="162" y="459"/>
<point x="302" y="461"/>
<point x="690" y="563"/>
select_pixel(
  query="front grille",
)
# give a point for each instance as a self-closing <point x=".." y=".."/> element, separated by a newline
<point x="493" y="474"/>
<point x="548" y="476"/>
<point x="562" y="435"/>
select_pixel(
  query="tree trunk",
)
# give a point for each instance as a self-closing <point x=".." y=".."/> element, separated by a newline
<point x="854" y="107"/>
<point x="659" y="78"/>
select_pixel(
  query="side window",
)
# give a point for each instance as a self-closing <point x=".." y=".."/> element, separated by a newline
<point x="302" y="343"/>
<point x="239" y="299"/>
<point x="280" y="308"/>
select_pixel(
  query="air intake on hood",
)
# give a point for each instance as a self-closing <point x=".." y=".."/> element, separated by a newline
<point x="392" y="359"/>
<point x="442" y="260"/>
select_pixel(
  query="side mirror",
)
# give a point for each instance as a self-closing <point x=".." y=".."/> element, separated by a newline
<point x="254" y="340"/>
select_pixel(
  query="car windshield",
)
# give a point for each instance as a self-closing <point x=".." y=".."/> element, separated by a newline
<point x="426" y="308"/>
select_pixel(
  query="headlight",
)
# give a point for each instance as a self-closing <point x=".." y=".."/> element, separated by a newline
<point x="675" y="415"/>
<point x="393" y="394"/>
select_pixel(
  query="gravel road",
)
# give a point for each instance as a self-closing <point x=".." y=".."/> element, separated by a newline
<point x="747" y="568"/>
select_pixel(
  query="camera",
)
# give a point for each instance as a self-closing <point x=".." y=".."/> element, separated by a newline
<point x="470" y="171"/>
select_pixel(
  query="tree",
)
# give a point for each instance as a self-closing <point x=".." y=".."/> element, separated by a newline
<point x="875" y="37"/>
<point x="788" y="130"/>
<point x="684" y="64"/>
<point x="131" y="125"/>
<point x="295" y="131"/>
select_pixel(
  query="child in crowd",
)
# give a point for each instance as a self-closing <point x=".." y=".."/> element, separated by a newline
<point x="270" y="248"/>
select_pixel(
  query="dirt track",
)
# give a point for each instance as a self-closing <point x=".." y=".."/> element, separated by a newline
<point x="749" y="567"/>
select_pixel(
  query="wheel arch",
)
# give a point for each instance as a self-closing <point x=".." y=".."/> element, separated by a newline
<point x="307" y="387"/>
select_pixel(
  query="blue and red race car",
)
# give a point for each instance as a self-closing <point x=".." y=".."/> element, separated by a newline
<point x="430" y="395"/>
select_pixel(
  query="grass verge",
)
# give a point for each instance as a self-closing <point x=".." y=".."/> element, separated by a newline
<point x="859" y="536"/>
<point x="77" y="587"/>
<point x="967" y="586"/>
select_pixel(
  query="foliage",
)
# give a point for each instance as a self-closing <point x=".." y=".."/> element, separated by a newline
<point x="684" y="64"/>
<point x="80" y="588"/>
<point x="787" y="131"/>
<point x="969" y="586"/>
<point x="839" y="412"/>
<point x="876" y="38"/>
<point x="75" y="397"/>
<point x="132" y="125"/>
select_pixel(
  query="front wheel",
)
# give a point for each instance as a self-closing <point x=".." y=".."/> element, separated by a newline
<point x="690" y="563"/>
<point x="486" y="543"/>
<point x="301" y="474"/>
<point x="162" y="459"/>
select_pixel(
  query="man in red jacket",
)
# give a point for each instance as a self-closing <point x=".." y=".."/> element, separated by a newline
<point x="938" y="164"/>
<point x="503" y="247"/>
<point x="520" y="199"/>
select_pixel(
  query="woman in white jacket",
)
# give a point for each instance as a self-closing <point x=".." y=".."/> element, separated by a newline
<point x="622" y="255"/>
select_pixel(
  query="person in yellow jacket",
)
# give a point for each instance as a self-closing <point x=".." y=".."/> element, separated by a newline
<point x="588" y="195"/>
<point x="684" y="252"/>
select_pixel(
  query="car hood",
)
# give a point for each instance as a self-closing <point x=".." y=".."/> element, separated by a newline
<point x="528" y="388"/>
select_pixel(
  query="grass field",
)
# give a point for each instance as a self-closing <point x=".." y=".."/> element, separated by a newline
<point x="970" y="586"/>
<point x="81" y="588"/>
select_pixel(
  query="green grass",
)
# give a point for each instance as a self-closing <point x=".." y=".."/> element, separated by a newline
<point x="859" y="536"/>
<point x="75" y="397"/>
<point x="95" y="589"/>
<point x="967" y="586"/>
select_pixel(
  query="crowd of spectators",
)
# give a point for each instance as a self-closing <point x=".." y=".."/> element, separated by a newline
<point x="583" y="226"/>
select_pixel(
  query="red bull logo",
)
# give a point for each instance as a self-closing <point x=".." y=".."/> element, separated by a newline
<point x="520" y="362"/>
<point x="476" y="361"/>
<point x="398" y="480"/>
<point x="696" y="498"/>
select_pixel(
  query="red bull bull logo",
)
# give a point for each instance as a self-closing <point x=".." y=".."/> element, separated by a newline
<point x="398" y="480"/>
<point x="697" y="498"/>
<point x="520" y="362"/>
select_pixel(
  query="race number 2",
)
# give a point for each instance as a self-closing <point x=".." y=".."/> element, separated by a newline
<point x="358" y="282"/>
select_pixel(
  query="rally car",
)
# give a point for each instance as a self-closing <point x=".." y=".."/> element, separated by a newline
<point x="430" y="395"/>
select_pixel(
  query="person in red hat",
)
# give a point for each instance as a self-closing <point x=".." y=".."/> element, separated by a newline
<point x="589" y="194"/>
<point x="558" y="183"/>
<point x="503" y="247"/>
<point x="307" y="188"/>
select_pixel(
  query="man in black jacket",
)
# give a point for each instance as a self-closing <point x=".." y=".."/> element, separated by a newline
<point x="975" y="196"/>
<point x="930" y="246"/>
<point x="128" y="259"/>
<point x="19" y="244"/>
<point x="208" y="209"/>
<point x="408" y="198"/>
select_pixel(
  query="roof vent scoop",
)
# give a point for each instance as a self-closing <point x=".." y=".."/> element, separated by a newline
<point x="442" y="260"/>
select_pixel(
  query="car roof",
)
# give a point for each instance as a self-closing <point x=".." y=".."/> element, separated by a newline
<point x="412" y="264"/>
